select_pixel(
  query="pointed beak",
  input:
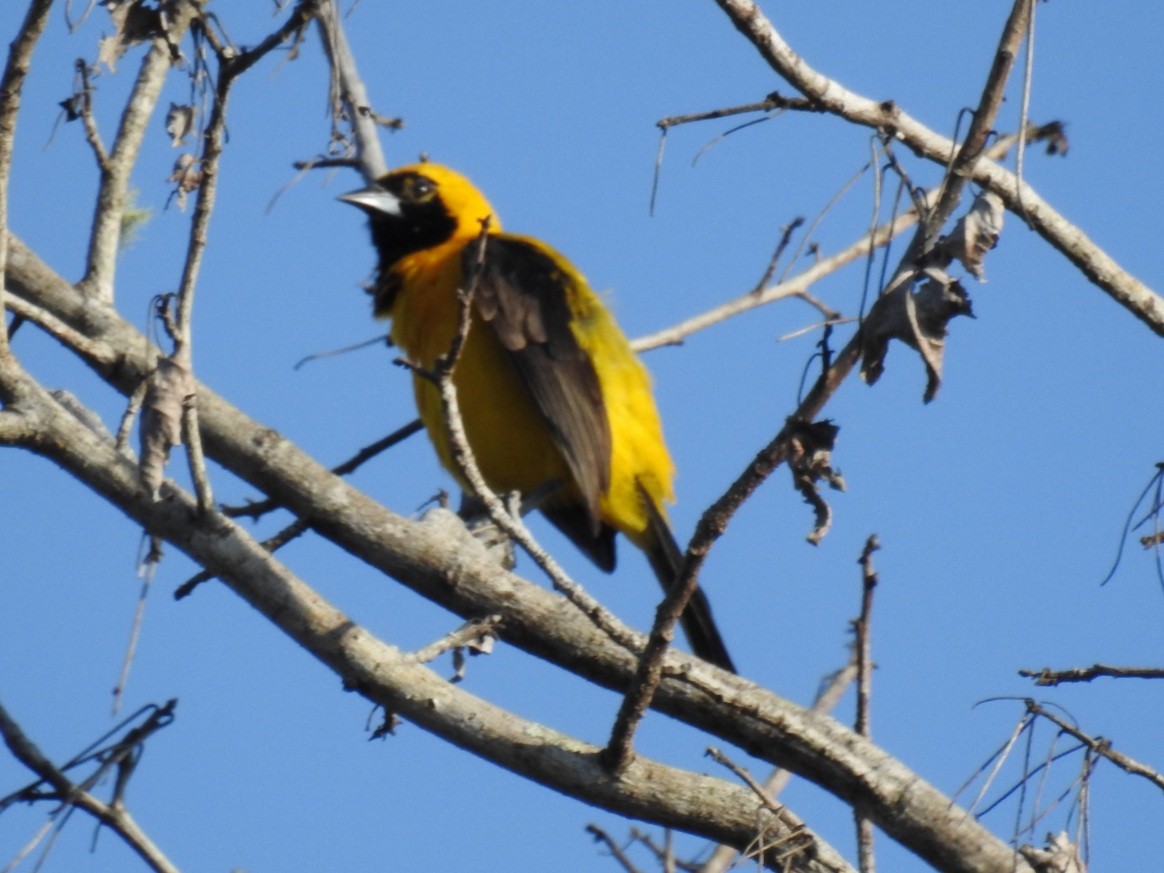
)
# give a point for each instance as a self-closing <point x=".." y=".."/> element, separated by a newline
<point x="373" y="201"/>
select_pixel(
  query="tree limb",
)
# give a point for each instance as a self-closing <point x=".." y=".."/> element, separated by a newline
<point x="101" y="261"/>
<point x="442" y="568"/>
<point x="394" y="679"/>
<point x="1020" y="197"/>
<point x="114" y="815"/>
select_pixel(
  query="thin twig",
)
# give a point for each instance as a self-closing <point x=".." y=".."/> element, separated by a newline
<point x="1100" y="746"/>
<point x="272" y="544"/>
<point x="1049" y="677"/>
<point x="114" y="815"/>
<point x="619" y="751"/>
<point x="85" y="110"/>
<point x="745" y="777"/>
<point x="797" y="285"/>
<point x="828" y="696"/>
<point x="258" y="508"/>
<point x="1025" y="108"/>
<point x="125" y="427"/>
<point x="974" y="145"/>
<point x="792" y="841"/>
<point x="113" y="193"/>
<point x="772" y="101"/>
<point x="1156" y="482"/>
<point x="838" y="195"/>
<point x="11" y="87"/>
<point x="469" y="633"/>
<point x="351" y="92"/>
<point x="231" y="65"/>
<point x="601" y="836"/>
<point x="148" y="569"/>
<point x="998" y="758"/>
<point x="862" y="647"/>
<point x="785" y="237"/>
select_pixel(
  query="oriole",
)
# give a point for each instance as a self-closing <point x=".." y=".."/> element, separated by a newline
<point x="552" y="397"/>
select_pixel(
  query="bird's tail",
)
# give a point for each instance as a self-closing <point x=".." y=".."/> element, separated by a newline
<point x="666" y="560"/>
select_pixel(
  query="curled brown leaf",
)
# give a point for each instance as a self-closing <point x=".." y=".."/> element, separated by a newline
<point x="975" y="234"/>
<point x="810" y="446"/>
<point x="170" y="387"/>
<point x="180" y="122"/>
<point x="919" y="319"/>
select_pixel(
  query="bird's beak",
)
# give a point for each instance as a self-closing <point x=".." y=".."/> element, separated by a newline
<point x="373" y="201"/>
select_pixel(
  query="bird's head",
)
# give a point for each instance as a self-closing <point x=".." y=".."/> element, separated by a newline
<point x="419" y="207"/>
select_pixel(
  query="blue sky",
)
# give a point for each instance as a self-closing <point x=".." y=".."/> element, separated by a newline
<point x="998" y="506"/>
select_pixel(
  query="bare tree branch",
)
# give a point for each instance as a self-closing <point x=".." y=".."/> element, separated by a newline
<point x="1100" y="746"/>
<point x="1048" y="677"/>
<point x="798" y="285"/>
<point x="830" y="694"/>
<point x="863" y="650"/>
<point x="351" y="92"/>
<point x="114" y="815"/>
<point x="393" y="679"/>
<point x="1019" y="197"/>
<point x="438" y="565"/>
<point x="15" y="70"/>
<point x="101" y="261"/>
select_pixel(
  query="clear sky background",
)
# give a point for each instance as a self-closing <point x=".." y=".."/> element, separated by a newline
<point x="999" y="505"/>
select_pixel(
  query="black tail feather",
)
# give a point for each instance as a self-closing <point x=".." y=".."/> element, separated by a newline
<point x="667" y="561"/>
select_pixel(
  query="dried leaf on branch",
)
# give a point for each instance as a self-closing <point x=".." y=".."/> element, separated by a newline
<point x="187" y="176"/>
<point x="171" y="386"/>
<point x="976" y="233"/>
<point x="919" y="319"/>
<point x="133" y="22"/>
<point x="1059" y="856"/>
<point x="180" y="122"/>
<point x="810" y="447"/>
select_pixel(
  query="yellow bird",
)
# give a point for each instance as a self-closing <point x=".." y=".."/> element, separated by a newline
<point x="554" y="401"/>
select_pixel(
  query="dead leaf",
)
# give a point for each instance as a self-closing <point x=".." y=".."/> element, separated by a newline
<point x="809" y="453"/>
<point x="1055" y="135"/>
<point x="387" y="726"/>
<point x="187" y="176"/>
<point x="170" y="387"/>
<point x="976" y="233"/>
<point x="919" y="319"/>
<point x="180" y="122"/>
<point x="133" y="23"/>
<point x="73" y="106"/>
<point x="1059" y="856"/>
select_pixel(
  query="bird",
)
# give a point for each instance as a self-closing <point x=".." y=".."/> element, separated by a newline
<point x="553" y="400"/>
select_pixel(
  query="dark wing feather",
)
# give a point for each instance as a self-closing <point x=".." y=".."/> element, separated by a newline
<point x="523" y="295"/>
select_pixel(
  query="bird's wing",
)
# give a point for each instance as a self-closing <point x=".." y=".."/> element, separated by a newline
<point x="524" y="292"/>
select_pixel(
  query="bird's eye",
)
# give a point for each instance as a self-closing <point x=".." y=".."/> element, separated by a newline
<point x="422" y="188"/>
